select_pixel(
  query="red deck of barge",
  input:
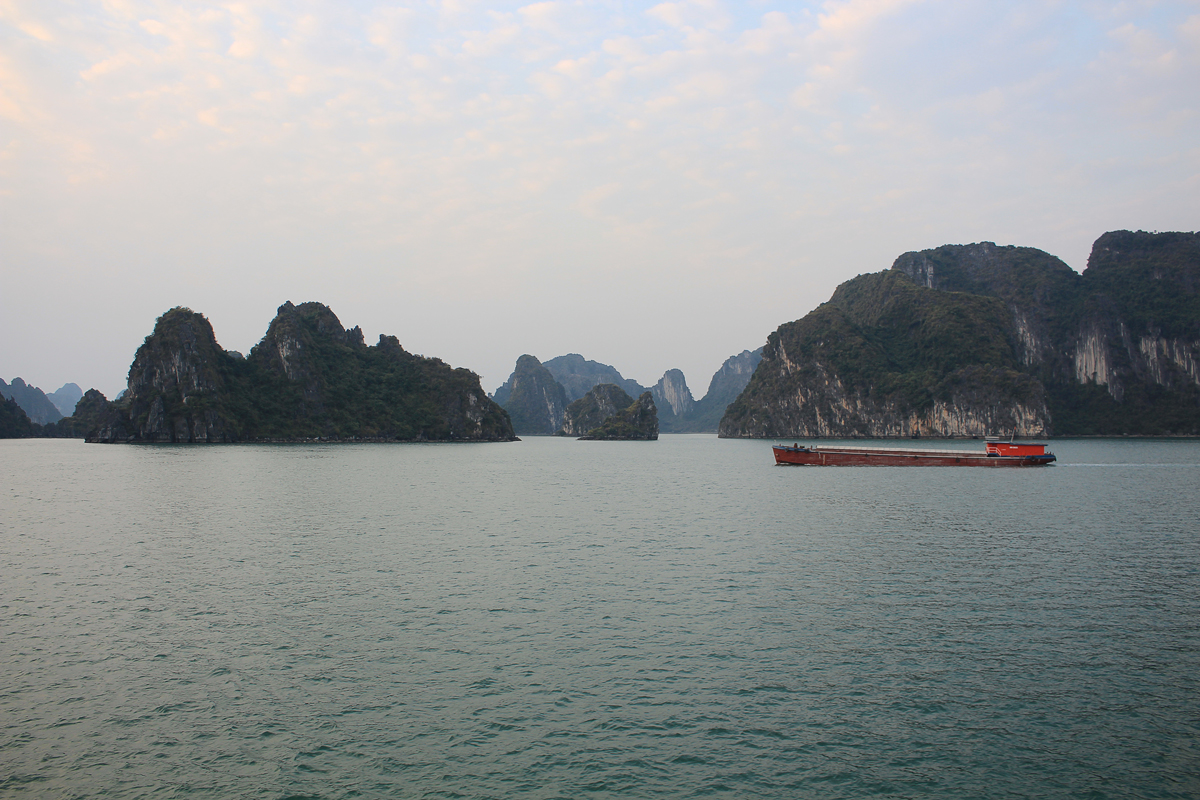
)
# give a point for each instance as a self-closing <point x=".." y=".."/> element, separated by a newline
<point x="997" y="454"/>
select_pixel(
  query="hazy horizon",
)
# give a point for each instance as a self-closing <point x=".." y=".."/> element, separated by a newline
<point x="651" y="185"/>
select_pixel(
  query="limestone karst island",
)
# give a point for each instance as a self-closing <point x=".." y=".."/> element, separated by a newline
<point x="961" y="340"/>
<point x="309" y="378"/>
<point x="978" y="340"/>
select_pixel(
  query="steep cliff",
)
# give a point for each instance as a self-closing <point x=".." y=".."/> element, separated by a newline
<point x="637" y="421"/>
<point x="674" y="400"/>
<point x="591" y="410"/>
<point x="176" y="386"/>
<point x="1133" y="353"/>
<point x="969" y="340"/>
<point x="36" y="404"/>
<point x="704" y="415"/>
<point x="578" y="375"/>
<point x="309" y="378"/>
<point x="533" y="399"/>
<point x="887" y="358"/>
<point x="65" y="397"/>
<point x="1039" y="290"/>
<point x="672" y="391"/>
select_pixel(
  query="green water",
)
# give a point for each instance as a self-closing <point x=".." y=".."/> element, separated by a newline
<point x="554" y="618"/>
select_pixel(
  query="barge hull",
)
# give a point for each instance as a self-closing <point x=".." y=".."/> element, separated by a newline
<point x="865" y="457"/>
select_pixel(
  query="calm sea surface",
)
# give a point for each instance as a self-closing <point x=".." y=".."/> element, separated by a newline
<point x="562" y="619"/>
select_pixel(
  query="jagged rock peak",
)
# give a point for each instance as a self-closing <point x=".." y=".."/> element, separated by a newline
<point x="672" y="392"/>
<point x="315" y="317"/>
<point x="32" y="400"/>
<point x="534" y="400"/>
<point x="174" y="380"/>
<point x="578" y="375"/>
<point x="307" y="379"/>
<point x="65" y="397"/>
<point x="728" y="381"/>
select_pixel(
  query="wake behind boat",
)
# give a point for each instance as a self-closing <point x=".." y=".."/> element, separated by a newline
<point x="995" y="454"/>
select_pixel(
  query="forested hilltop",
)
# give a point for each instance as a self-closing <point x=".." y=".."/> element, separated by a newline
<point x="977" y="340"/>
<point x="309" y="378"/>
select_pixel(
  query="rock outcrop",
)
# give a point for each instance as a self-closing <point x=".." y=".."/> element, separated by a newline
<point x="534" y="400"/>
<point x="969" y="340"/>
<point x="678" y="411"/>
<point x="176" y="391"/>
<point x="14" y="422"/>
<point x="33" y="400"/>
<point x="672" y="395"/>
<point x="637" y="421"/>
<point x="578" y="375"/>
<point x="65" y="397"/>
<point x="89" y="411"/>
<point x="594" y="408"/>
<point x="309" y="378"/>
<point x="726" y="384"/>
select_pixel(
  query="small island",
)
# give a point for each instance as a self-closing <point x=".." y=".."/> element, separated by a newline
<point x="309" y="379"/>
<point x="608" y="413"/>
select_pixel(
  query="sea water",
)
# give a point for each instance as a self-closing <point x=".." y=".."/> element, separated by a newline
<point x="564" y="619"/>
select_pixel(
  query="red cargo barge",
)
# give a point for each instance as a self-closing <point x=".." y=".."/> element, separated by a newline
<point x="996" y="454"/>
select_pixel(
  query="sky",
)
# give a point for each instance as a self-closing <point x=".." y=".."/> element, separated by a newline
<point x="652" y="185"/>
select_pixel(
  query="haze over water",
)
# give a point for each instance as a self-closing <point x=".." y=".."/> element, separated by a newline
<point x="555" y="618"/>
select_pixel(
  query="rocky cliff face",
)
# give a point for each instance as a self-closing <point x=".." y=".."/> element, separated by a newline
<point x="637" y="421"/>
<point x="886" y="357"/>
<point x="65" y="397"/>
<point x="176" y="383"/>
<point x="535" y="401"/>
<point x="32" y="400"/>
<point x="1140" y="317"/>
<point x="578" y="375"/>
<point x="1038" y="289"/>
<point x="726" y="384"/>
<point x="979" y="402"/>
<point x="309" y="378"/>
<point x="672" y="394"/>
<point x="298" y="345"/>
<point x="593" y="409"/>
<point x="984" y="339"/>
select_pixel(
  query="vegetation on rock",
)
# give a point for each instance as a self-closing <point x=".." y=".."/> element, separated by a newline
<point x="979" y="339"/>
<point x="15" y="423"/>
<point x="308" y="378"/>
<point x="534" y="400"/>
<point x="591" y="411"/>
<point x="607" y="412"/>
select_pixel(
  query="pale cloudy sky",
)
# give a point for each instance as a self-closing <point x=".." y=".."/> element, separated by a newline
<point x="650" y="185"/>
